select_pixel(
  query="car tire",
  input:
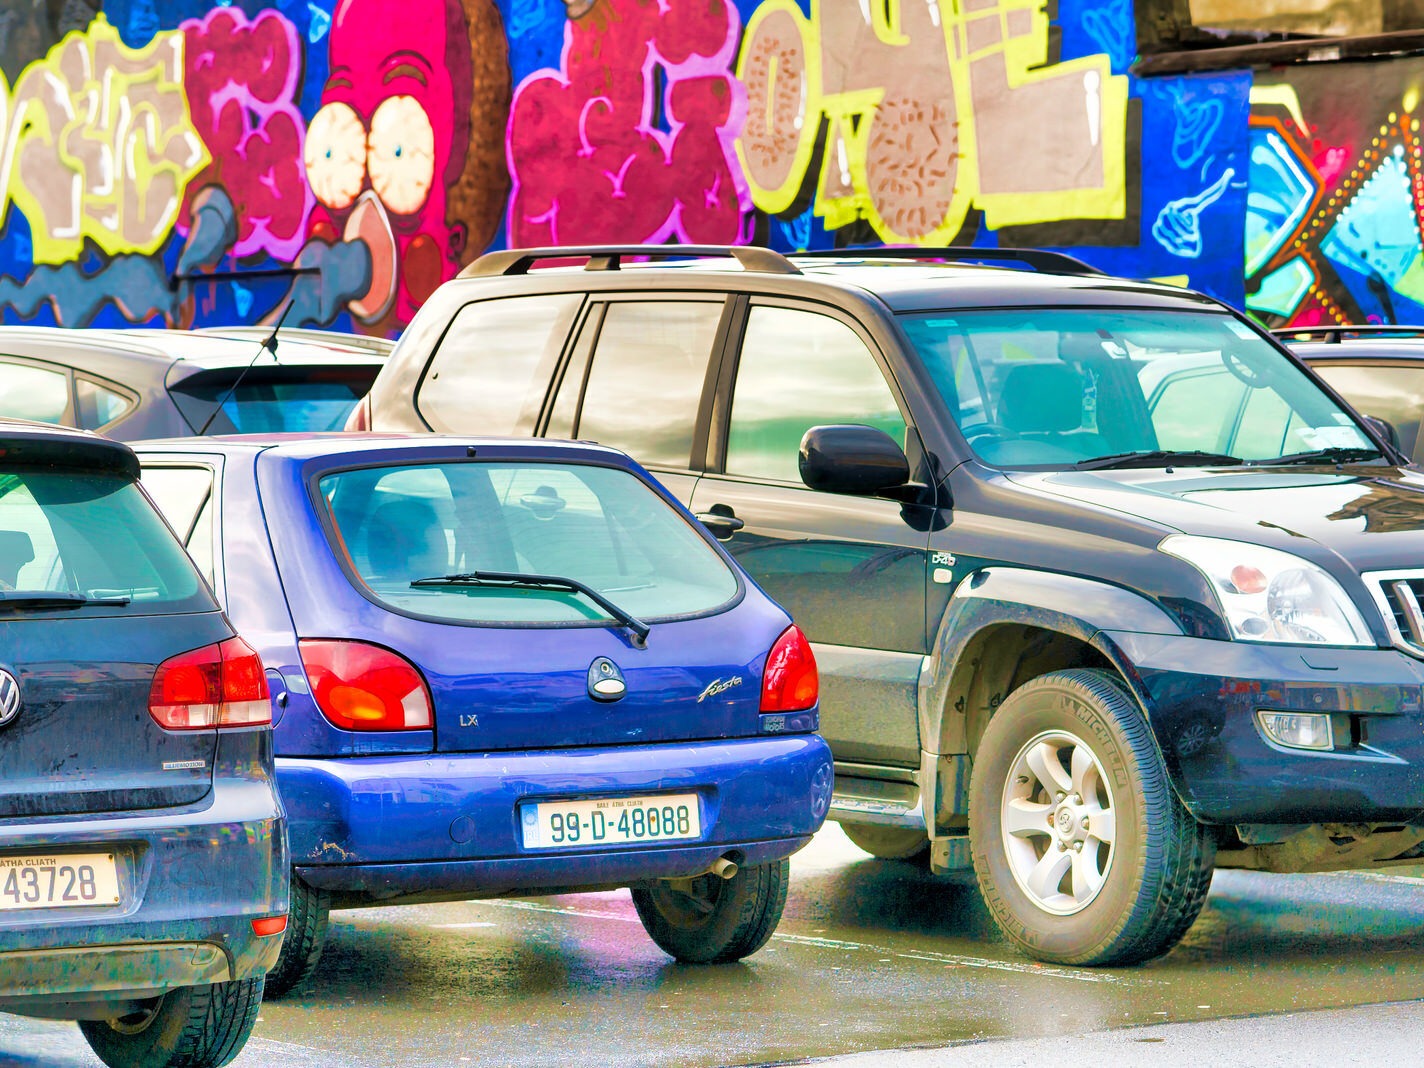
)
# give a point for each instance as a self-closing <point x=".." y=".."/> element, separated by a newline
<point x="711" y="920"/>
<point x="887" y="843"/>
<point x="1082" y="850"/>
<point x="304" y="939"/>
<point x="190" y="1027"/>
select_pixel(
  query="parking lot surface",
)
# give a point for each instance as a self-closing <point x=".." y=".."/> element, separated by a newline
<point x="871" y="955"/>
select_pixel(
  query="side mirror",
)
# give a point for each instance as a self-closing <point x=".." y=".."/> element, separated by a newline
<point x="1385" y="429"/>
<point x="856" y="460"/>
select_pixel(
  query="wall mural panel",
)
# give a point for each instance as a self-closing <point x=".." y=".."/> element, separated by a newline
<point x="348" y="156"/>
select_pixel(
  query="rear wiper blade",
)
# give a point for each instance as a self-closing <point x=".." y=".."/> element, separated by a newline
<point x="1333" y="455"/>
<point x="1158" y="458"/>
<point x="542" y="582"/>
<point x="55" y="599"/>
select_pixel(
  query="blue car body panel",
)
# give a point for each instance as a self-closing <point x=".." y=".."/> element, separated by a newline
<point x="371" y="813"/>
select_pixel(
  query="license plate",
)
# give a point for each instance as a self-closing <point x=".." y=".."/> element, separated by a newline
<point x="610" y="821"/>
<point x="65" y="880"/>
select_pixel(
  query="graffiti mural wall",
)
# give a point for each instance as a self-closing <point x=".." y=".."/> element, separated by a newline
<point x="190" y="162"/>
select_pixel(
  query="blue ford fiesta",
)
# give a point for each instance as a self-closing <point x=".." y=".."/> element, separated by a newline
<point x="507" y="667"/>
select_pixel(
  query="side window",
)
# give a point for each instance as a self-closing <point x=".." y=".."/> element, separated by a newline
<point x="798" y="370"/>
<point x="492" y="368"/>
<point x="30" y="392"/>
<point x="98" y="405"/>
<point x="645" y="384"/>
<point x="185" y="497"/>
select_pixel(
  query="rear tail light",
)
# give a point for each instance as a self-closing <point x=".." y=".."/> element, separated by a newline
<point x="361" y="687"/>
<point x="790" y="682"/>
<point x="360" y="417"/>
<point x="221" y="685"/>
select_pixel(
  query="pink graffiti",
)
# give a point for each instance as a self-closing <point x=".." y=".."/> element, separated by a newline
<point x="589" y="160"/>
<point x="241" y="78"/>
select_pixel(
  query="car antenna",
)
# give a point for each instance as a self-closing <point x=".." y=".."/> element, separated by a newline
<point x="269" y="344"/>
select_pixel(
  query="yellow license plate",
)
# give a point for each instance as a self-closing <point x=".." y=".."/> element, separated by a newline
<point x="56" y="881"/>
<point x="610" y="821"/>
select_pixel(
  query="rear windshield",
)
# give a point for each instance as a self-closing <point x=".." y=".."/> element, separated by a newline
<point x="599" y="526"/>
<point x="92" y="535"/>
<point x="273" y="399"/>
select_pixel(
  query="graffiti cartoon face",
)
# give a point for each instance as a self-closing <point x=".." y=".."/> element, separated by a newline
<point x="392" y="146"/>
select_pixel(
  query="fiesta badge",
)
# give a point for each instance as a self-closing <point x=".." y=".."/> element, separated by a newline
<point x="9" y="698"/>
<point x="605" y="681"/>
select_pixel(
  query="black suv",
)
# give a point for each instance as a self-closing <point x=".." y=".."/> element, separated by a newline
<point x="1106" y="587"/>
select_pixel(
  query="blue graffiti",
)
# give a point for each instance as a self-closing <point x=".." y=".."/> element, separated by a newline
<point x="1282" y="190"/>
<point x="320" y="23"/>
<point x="1178" y="225"/>
<point x="1109" y="24"/>
<point x="525" y="16"/>
<point x="1376" y="233"/>
<point x="797" y="231"/>
<point x="1197" y="121"/>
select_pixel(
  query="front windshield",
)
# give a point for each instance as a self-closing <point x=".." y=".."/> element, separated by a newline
<point x="1061" y="386"/>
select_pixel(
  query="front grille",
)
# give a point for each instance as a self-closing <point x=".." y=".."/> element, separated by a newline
<point x="1400" y="596"/>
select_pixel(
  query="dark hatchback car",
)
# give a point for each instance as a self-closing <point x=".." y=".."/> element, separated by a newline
<point x="507" y="667"/>
<point x="144" y="383"/>
<point x="1106" y="587"/>
<point x="143" y="855"/>
<point x="1378" y="369"/>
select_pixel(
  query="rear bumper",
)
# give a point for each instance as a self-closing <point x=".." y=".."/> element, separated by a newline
<point x="407" y="825"/>
<point x="1202" y="702"/>
<point x="191" y="881"/>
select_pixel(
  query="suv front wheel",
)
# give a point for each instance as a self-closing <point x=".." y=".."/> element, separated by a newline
<point x="1083" y="852"/>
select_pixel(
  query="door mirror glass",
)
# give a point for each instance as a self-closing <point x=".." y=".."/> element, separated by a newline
<point x="852" y="459"/>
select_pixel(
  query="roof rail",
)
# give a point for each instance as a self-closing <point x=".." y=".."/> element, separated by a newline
<point x="1038" y="259"/>
<point x="609" y="258"/>
<point x="1333" y="335"/>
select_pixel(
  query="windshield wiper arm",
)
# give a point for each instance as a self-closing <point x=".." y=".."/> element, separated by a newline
<point x="1158" y="458"/>
<point x="543" y="582"/>
<point x="1333" y="455"/>
<point x="55" y="599"/>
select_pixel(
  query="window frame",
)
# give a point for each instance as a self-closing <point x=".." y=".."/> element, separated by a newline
<point x="213" y="465"/>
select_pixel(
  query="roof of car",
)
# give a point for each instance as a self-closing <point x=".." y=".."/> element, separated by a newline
<point x="311" y="446"/>
<point x="1368" y="342"/>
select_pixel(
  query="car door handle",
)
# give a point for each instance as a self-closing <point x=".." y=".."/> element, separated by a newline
<point x="721" y="521"/>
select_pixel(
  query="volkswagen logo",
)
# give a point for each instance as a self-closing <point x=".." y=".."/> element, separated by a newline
<point x="9" y="698"/>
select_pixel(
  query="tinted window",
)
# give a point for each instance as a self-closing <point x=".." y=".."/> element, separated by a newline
<point x="184" y="496"/>
<point x="268" y="400"/>
<point x="646" y="381"/>
<point x="28" y="392"/>
<point x="798" y="370"/>
<point x="599" y="525"/>
<point x="492" y="368"/>
<point x="98" y="405"/>
<point x="91" y="534"/>
<point x="1394" y="394"/>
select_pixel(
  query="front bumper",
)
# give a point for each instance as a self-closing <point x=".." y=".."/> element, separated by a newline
<point x="437" y="825"/>
<point x="1202" y="699"/>
<point x="191" y="881"/>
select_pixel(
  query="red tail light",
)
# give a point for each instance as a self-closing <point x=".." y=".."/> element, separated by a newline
<point x="221" y="685"/>
<point x="360" y="417"/>
<point x="361" y="687"/>
<point x="267" y="926"/>
<point x="790" y="682"/>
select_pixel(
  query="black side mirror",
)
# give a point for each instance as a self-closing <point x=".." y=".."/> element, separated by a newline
<point x="1385" y="429"/>
<point x="852" y="459"/>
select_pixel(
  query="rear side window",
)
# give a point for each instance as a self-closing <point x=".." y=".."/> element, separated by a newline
<point x="645" y="384"/>
<point x="30" y="392"/>
<point x="97" y="405"/>
<point x="185" y="497"/>
<point x="601" y="526"/>
<point x="94" y="535"/>
<point x="492" y="368"/>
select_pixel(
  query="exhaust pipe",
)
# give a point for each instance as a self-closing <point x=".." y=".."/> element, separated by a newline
<point x="724" y="868"/>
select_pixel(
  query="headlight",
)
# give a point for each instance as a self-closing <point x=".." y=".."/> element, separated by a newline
<point x="1270" y="596"/>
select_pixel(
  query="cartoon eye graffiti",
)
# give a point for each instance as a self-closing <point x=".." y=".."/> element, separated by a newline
<point x="401" y="154"/>
<point x="335" y="155"/>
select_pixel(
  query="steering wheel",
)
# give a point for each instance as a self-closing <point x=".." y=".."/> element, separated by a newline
<point x="987" y="430"/>
<point x="1254" y="377"/>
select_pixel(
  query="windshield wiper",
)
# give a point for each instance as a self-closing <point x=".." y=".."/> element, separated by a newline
<point x="1332" y="455"/>
<point x="55" y="599"/>
<point x="1158" y="458"/>
<point x="543" y="582"/>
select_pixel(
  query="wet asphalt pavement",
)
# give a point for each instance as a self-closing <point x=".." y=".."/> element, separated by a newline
<point x="871" y="955"/>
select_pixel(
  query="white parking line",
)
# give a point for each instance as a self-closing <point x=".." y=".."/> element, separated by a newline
<point x="953" y="960"/>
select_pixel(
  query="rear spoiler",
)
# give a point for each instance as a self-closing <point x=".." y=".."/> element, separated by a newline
<point x="41" y="445"/>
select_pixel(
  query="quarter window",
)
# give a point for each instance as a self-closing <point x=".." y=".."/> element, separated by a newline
<point x="98" y="406"/>
<point x="798" y="370"/>
<point x="645" y="384"/>
<point x="492" y="368"/>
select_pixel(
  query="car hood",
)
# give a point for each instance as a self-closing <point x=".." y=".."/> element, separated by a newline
<point x="1372" y="517"/>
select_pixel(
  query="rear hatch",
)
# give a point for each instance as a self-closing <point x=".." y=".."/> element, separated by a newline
<point x="95" y="592"/>
<point x="515" y="658"/>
